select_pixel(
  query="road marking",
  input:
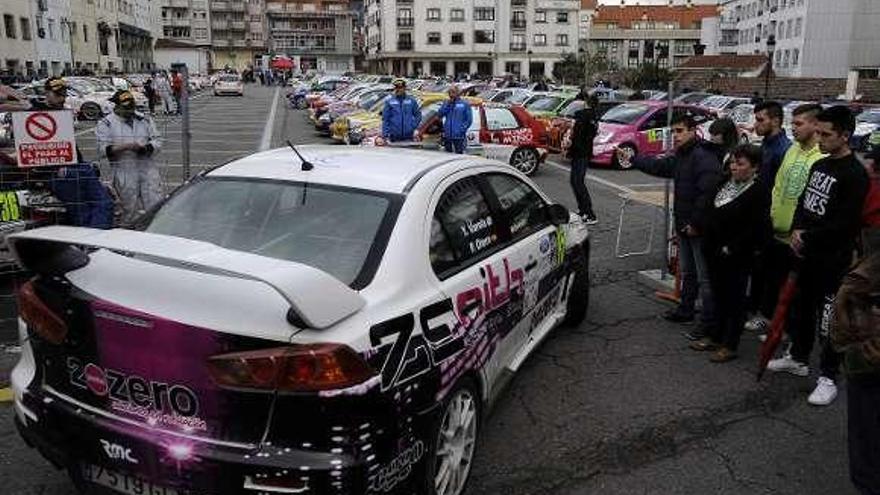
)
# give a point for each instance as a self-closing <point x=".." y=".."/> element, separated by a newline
<point x="5" y="394"/>
<point x="266" y="142"/>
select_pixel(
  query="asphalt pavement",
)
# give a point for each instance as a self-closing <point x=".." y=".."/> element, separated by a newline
<point x="619" y="405"/>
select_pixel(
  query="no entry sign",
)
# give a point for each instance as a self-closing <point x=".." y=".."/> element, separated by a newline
<point x="44" y="138"/>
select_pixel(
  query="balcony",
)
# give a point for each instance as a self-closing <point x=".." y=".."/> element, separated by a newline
<point x="518" y="24"/>
<point x="179" y="4"/>
<point x="227" y="7"/>
<point x="178" y="23"/>
<point x="400" y="2"/>
<point x="405" y="22"/>
<point x="518" y="3"/>
<point x="237" y="25"/>
<point x="404" y="45"/>
<point x="517" y="47"/>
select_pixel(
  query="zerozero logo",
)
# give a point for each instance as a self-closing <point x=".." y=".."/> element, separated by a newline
<point x="133" y="389"/>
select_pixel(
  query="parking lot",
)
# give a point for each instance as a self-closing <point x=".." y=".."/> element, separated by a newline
<point x="619" y="405"/>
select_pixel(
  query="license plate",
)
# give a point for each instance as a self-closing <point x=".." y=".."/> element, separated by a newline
<point x="123" y="483"/>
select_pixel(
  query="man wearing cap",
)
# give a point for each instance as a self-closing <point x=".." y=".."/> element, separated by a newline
<point x="129" y="141"/>
<point x="86" y="202"/>
<point x="401" y="115"/>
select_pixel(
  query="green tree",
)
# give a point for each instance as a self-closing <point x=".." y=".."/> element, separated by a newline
<point x="580" y="68"/>
<point x="647" y="76"/>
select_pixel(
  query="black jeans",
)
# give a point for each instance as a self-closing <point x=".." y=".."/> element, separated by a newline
<point x="577" y="177"/>
<point x="818" y="282"/>
<point x="863" y="425"/>
<point x="729" y="276"/>
<point x="774" y="265"/>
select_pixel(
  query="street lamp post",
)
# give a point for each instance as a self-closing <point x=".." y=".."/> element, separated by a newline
<point x="771" y="47"/>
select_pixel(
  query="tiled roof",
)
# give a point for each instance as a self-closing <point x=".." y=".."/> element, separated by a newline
<point x="589" y="4"/>
<point x="685" y="16"/>
<point x="736" y="62"/>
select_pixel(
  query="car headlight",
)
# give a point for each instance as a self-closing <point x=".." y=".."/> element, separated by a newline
<point x="604" y="137"/>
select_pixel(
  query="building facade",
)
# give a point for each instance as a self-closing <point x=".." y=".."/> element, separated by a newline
<point x="84" y="36"/>
<point x="630" y="36"/>
<point x="588" y="11"/>
<point x="187" y="21"/>
<point x="18" y="54"/>
<point x="814" y="38"/>
<point x="487" y="37"/>
<point x="238" y="34"/>
<point x="317" y="35"/>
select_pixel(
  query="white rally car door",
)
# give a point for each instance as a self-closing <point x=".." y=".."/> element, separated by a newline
<point x="468" y="251"/>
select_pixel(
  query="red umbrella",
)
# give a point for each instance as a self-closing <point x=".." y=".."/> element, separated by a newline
<point x="777" y="326"/>
<point x="282" y="63"/>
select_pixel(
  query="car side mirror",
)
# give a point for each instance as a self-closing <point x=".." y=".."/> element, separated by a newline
<point x="557" y="214"/>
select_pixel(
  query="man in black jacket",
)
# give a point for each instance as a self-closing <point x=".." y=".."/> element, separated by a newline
<point x="696" y="171"/>
<point x="581" y="153"/>
<point x="826" y="227"/>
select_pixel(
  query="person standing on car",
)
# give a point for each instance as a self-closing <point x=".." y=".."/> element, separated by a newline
<point x="696" y="171"/>
<point x="130" y="142"/>
<point x="457" y="119"/>
<point x="581" y="154"/>
<point x="777" y="259"/>
<point x="401" y="115"/>
<point x="737" y="225"/>
<point x="86" y="202"/>
<point x="826" y="226"/>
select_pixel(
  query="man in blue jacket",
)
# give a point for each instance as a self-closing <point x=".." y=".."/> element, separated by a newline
<point x="401" y="115"/>
<point x="457" y="119"/>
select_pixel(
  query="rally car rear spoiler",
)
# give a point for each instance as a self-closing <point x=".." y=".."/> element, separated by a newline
<point x="315" y="297"/>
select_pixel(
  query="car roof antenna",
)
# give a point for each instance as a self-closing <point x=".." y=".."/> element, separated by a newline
<point x="306" y="165"/>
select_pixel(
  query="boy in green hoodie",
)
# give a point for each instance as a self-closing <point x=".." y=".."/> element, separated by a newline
<point x="791" y="179"/>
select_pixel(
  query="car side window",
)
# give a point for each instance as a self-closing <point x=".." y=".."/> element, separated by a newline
<point x="499" y="119"/>
<point x="656" y="121"/>
<point x="523" y="207"/>
<point x="462" y="216"/>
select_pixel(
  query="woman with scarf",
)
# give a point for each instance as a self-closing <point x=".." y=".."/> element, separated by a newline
<point x="737" y="226"/>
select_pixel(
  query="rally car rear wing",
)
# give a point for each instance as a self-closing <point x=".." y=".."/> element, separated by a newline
<point x="315" y="297"/>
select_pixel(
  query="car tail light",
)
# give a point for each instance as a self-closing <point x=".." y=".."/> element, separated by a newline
<point x="39" y="317"/>
<point x="299" y="368"/>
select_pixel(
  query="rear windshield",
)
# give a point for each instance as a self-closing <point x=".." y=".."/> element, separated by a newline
<point x="336" y="230"/>
<point x="627" y="113"/>
<point x="545" y="104"/>
<point x="869" y="118"/>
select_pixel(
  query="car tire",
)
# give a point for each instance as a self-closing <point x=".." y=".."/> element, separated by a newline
<point x="458" y="441"/>
<point x="526" y="160"/>
<point x="579" y="294"/>
<point x="630" y="152"/>
<point x="91" y="111"/>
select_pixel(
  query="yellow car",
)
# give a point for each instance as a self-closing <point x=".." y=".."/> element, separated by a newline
<point x="354" y="128"/>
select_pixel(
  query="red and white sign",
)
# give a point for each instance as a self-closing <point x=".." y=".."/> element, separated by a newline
<point x="44" y="138"/>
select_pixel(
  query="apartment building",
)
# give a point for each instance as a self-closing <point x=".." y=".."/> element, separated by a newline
<point x="630" y="36"/>
<point x="453" y="37"/>
<point x="316" y="34"/>
<point x="588" y="11"/>
<point x="238" y="33"/>
<point x="17" y="46"/>
<point x="82" y="30"/>
<point x="186" y="21"/>
<point x="813" y="38"/>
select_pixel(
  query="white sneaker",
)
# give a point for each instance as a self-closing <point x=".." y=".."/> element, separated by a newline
<point x="757" y="324"/>
<point x="825" y="392"/>
<point x="786" y="364"/>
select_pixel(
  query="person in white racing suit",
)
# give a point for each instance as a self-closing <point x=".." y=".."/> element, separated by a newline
<point x="129" y="141"/>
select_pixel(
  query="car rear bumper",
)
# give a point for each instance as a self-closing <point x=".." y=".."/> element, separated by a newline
<point x="70" y="438"/>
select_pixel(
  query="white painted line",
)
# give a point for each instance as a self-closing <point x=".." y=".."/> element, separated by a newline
<point x="597" y="179"/>
<point x="266" y="142"/>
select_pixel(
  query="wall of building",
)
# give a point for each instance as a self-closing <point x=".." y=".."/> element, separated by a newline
<point x="197" y="60"/>
<point x="17" y="46"/>
<point x="52" y="37"/>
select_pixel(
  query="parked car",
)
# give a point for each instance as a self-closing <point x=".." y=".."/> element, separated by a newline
<point x="229" y="84"/>
<point x="722" y="106"/>
<point x="549" y="105"/>
<point x="867" y="123"/>
<point x="362" y="127"/>
<point x="692" y="98"/>
<point x="559" y="128"/>
<point x="744" y="117"/>
<point x="337" y="328"/>
<point x="637" y="128"/>
<point x="362" y="102"/>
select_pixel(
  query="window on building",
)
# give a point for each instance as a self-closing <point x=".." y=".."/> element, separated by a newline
<point x="778" y="58"/>
<point x="540" y="40"/>
<point x="634" y="49"/>
<point x="85" y="33"/>
<point x="484" y="13"/>
<point x="456" y="39"/>
<point x="456" y="15"/>
<point x="51" y="25"/>
<point x="9" y="25"/>
<point x="25" y="28"/>
<point x="561" y="40"/>
<point x="663" y="63"/>
<point x="200" y="33"/>
<point x="540" y="16"/>
<point x="438" y="68"/>
<point x="434" y="38"/>
<point x="433" y="14"/>
<point x="786" y="58"/>
<point x="799" y="26"/>
<point x="788" y="28"/>
<point x="795" y="57"/>
<point x="633" y="62"/>
<point x="562" y="17"/>
<point x="484" y="36"/>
